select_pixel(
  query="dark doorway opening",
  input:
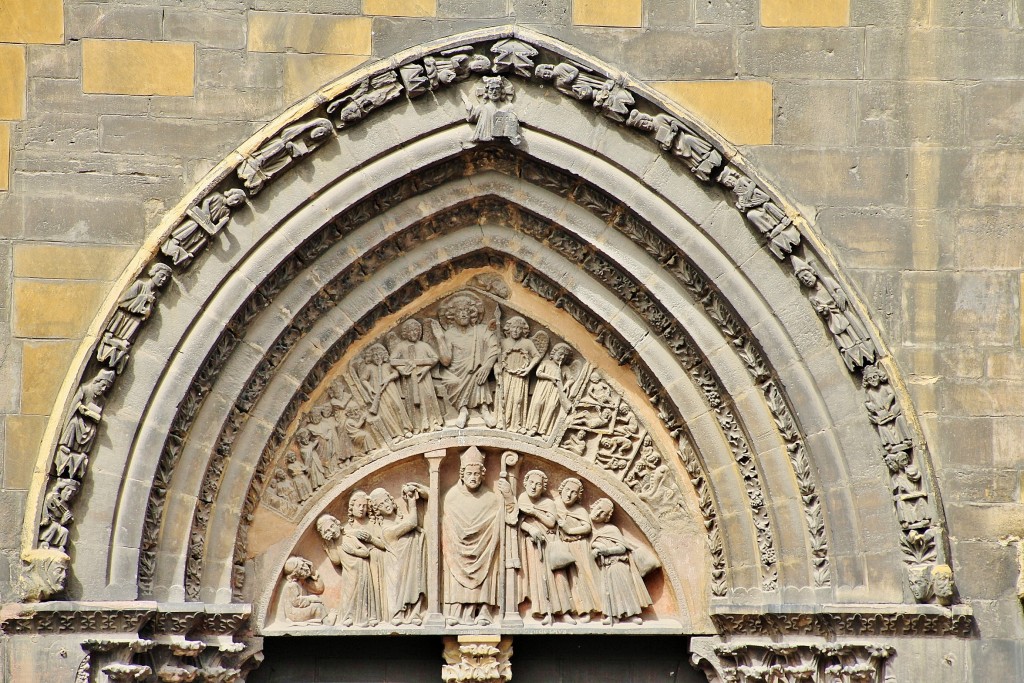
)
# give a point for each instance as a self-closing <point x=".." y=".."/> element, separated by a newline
<point x="535" y="659"/>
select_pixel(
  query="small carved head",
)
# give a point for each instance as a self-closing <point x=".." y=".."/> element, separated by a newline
<point x="942" y="584"/>
<point x="160" y="273"/>
<point x="462" y="309"/>
<point x="377" y="354"/>
<point x="535" y="483"/>
<point x="570" y="490"/>
<point x="303" y="436"/>
<point x="471" y="468"/>
<point x="873" y="376"/>
<point x="544" y="72"/>
<point x="920" y="582"/>
<point x="516" y="327"/>
<point x="412" y="330"/>
<point x="45" y="574"/>
<point x="65" y="489"/>
<point x="298" y="568"/>
<point x="601" y="510"/>
<point x="329" y="527"/>
<point x="102" y="382"/>
<point x="804" y="272"/>
<point x="560" y="352"/>
<point x="357" y="505"/>
<point x="383" y="503"/>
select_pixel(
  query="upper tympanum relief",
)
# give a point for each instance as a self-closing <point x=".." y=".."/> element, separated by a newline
<point x="469" y="360"/>
<point x="467" y="465"/>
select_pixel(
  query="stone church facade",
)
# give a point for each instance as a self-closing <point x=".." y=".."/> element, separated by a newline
<point x="462" y="340"/>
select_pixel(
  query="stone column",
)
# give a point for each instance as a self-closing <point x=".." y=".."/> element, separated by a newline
<point x="433" y="532"/>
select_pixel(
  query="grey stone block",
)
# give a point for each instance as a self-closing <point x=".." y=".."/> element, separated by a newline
<point x="100" y="218"/>
<point x="230" y="69"/>
<point x="989" y="239"/>
<point x="335" y="6"/>
<point x="812" y="114"/>
<point x="54" y="61"/>
<point x="916" y="54"/>
<point x="137" y="135"/>
<point x="541" y="11"/>
<point x="473" y="9"/>
<point x="672" y="55"/>
<point x="898" y="114"/>
<point x="728" y="12"/>
<point x="216" y="29"/>
<point x="995" y="112"/>
<point x="392" y="34"/>
<point x="801" y="53"/>
<point x="668" y="14"/>
<point x="994" y="13"/>
<point x="946" y="307"/>
<point x="64" y="96"/>
<point x="112" y="21"/>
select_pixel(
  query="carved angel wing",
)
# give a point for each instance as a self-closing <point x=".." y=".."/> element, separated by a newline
<point x="542" y="341"/>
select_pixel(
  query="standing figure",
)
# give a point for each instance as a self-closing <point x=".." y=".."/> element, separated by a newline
<point x="300" y="596"/>
<point x="381" y="383"/>
<point x="323" y="426"/>
<point x="72" y="457"/>
<point x="473" y="522"/>
<point x="414" y="359"/>
<point x="133" y="308"/>
<point x="886" y="413"/>
<point x="467" y="350"/>
<point x="624" y="593"/>
<point x="300" y="477"/>
<point x="492" y="118"/>
<point x="362" y="584"/>
<point x="311" y="458"/>
<point x="574" y="527"/>
<point x="204" y="221"/>
<point x="545" y="587"/>
<point x="550" y="399"/>
<point x="402" y="532"/>
<point x="517" y="357"/>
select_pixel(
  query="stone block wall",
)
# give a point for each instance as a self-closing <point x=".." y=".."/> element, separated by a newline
<point x="896" y="125"/>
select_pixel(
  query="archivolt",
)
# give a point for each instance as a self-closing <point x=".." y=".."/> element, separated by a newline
<point x="723" y="342"/>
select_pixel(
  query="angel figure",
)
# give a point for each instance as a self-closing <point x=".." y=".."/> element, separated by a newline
<point x="550" y="401"/>
<point x="415" y="359"/>
<point x="516" y="359"/>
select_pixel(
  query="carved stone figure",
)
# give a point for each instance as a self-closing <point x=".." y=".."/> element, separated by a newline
<point x="467" y="350"/>
<point x="885" y="411"/>
<point x="415" y="360"/>
<point x="491" y="114"/>
<point x="371" y="94"/>
<point x="675" y="136"/>
<point x="53" y="532"/>
<point x="653" y="482"/>
<point x="380" y="381"/>
<point x="473" y="522"/>
<point x="133" y="308"/>
<point x="574" y="528"/>
<point x="550" y="401"/>
<point x="942" y="584"/>
<point x="614" y="102"/>
<point x="300" y="477"/>
<point x="542" y="580"/>
<point x="447" y="67"/>
<point x="311" y="458"/>
<point x="777" y="227"/>
<point x="300" y="595"/>
<point x="364" y="588"/>
<point x="624" y="594"/>
<point x="203" y="223"/>
<point x="284" y="490"/>
<point x="748" y="194"/>
<point x="516" y="359"/>
<point x="402" y="533"/>
<point x="76" y="440"/>
<point x="920" y="582"/>
<point x="614" y="452"/>
<point x="294" y="142"/>
<point x="830" y="302"/>
<point x="45" y="573"/>
<point x="513" y="55"/>
<point x="912" y="508"/>
<point x="355" y="428"/>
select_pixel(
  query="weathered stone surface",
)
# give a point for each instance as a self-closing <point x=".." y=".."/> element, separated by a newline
<point x="218" y="29"/>
<point x="729" y="12"/>
<point x="137" y="135"/>
<point x="977" y="306"/>
<point x="306" y="33"/>
<point x="625" y="13"/>
<point x="21" y="443"/>
<point x="138" y="67"/>
<point x="740" y="110"/>
<point x="101" y="21"/>
<point x="44" y="365"/>
<point x="5" y="156"/>
<point x="815" y="114"/>
<point x="400" y="8"/>
<point x="897" y="113"/>
<point x="805" y="13"/>
<point x="32" y="21"/>
<point x="995" y="113"/>
<point x="305" y="73"/>
<point x="706" y="53"/>
<point x="795" y="53"/>
<point x="65" y="262"/>
<point x="478" y="9"/>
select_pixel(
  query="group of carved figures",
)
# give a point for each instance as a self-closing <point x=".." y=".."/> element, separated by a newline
<point x="564" y="561"/>
<point x="494" y="371"/>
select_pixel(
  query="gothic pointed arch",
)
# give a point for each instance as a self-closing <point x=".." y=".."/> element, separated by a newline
<point x="727" y="392"/>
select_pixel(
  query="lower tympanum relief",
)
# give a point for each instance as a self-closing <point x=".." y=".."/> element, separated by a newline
<point x="514" y="540"/>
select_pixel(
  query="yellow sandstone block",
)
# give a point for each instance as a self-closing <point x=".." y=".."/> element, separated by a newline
<point x="308" y="33"/>
<point x="12" y="82"/>
<point x="305" y="73"/>
<point x="56" y="309"/>
<point x="32" y="21"/>
<point x="43" y="367"/>
<point x="400" y="8"/>
<point x="70" y="262"/>
<point x="739" y="111"/>
<point x="628" y="13"/>
<point x="21" y="445"/>
<point x="138" y="67"/>
<point x="805" y="12"/>
<point x="5" y="156"/>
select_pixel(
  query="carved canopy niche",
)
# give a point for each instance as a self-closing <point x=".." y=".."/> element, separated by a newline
<point x="298" y="332"/>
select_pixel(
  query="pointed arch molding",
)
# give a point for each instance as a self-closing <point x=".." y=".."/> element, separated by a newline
<point x="807" y="469"/>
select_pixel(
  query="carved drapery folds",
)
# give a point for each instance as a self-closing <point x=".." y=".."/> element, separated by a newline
<point x="508" y="546"/>
<point x="385" y="397"/>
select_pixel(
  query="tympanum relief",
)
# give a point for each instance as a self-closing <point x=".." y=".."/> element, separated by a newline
<point x="470" y="361"/>
<point x="517" y="542"/>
